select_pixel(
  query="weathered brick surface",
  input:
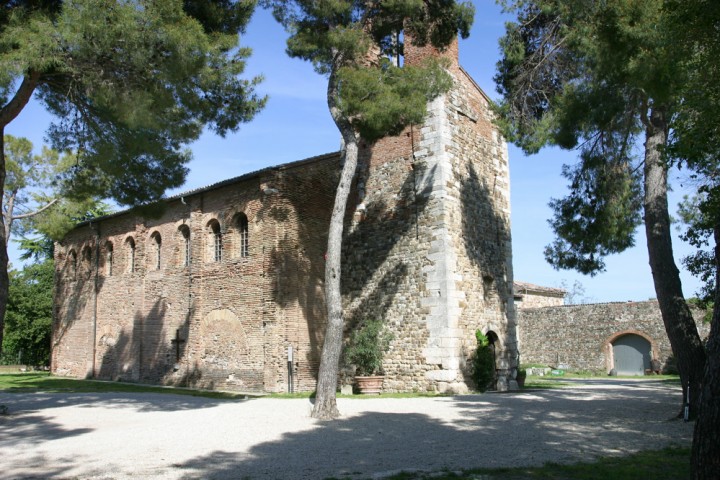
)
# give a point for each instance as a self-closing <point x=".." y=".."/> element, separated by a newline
<point x="235" y="318"/>
<point x="427" y="249"/>
<point x="581" y="336"/>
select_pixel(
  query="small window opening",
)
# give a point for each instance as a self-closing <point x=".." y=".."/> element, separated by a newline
<point x="242" y="225"/>
<point x="185" y="256"/>
<point x="130" y="255"/>
<point x="217" y="240"/>
<point x="109" y="259"/>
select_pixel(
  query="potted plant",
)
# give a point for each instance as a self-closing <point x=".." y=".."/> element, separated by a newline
<point x="365" y="350"/>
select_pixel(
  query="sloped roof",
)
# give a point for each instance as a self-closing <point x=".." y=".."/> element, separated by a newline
<point x="521" y="288"/>
<point x="222" y="183"/>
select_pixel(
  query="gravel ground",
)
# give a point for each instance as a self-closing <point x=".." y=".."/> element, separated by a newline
<point x="118" y="436"/>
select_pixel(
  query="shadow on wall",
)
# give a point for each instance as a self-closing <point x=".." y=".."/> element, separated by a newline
<point x="378" y="250"/>
<point x="366" y="247"/>
<point x="75" y="296"/>
<point x="150" y="353"/>
<point x="298" y="261"/>
<point x="485" y="233"/>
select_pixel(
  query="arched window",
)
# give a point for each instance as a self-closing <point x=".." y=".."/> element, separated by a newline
<point x="72" y="263"/>
<point x="109" y="259"/>
<point x="216" y="240"/>
<point x="130" y="246"/>
<point x="86" y="258"/>
<point x="241" y="222"/>
<point x="157" y="250"/>
<point x="185" y="245"/>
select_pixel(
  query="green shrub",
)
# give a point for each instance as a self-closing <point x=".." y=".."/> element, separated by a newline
<point x="367" y="346"/>
<point x="483" y="368"/>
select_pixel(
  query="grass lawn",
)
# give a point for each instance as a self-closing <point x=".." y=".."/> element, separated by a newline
<point x="560" y="381"/>
<point x="671" y="463"/>
<point x="44" y="382"/>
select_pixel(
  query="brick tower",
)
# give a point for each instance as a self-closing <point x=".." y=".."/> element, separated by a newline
<point x="428" y="249"/>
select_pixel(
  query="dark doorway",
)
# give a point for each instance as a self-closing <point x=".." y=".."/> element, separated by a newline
<point x="495" y="349"/>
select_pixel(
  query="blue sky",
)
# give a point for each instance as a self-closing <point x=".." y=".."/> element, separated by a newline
<point x="296" y="124"/>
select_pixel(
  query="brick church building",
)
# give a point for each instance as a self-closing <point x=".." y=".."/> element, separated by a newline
<point x="214" y="293"/>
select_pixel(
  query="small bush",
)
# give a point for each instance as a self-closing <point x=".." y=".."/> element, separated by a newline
<point x="367" y="347"/>
<point x="483" y="368"/>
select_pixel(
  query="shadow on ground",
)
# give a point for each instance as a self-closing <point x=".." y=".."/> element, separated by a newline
<point x="485" y="431"/>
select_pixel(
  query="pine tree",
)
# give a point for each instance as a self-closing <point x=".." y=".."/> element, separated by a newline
<point x="600" y="77"/>
<point x="368" y="98"/>
<point x="130" y="84"/>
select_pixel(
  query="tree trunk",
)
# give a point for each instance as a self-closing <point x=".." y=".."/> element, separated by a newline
<point x="4" y="280"/>
<point x="706" y="439"/>
<point x="325" y="401"/>
<point x="7" y="114"/>
<point x="679" y="323"/>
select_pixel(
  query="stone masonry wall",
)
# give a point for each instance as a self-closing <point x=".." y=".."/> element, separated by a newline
<point x="428" y="249"/>
<point x="581" y="336"/>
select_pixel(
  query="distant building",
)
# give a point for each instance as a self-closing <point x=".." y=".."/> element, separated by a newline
<point x="527" y="295"/>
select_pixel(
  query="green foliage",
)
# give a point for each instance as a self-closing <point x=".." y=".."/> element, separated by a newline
<point x="586" y="75"/>
<point x="348" y="41"/>
<point x="700" y="216"/>
<point x="131" y="83"/>
<point x="28" y="320"/>
<point x="483" y="363"/>
<point x="669" y="463"/>
<point x="367" y="346"/>
<point x="599" y="215"/>
<point x="44" y="382"/>
<point x="382" y="101"/>
<point x="33" y="200"/>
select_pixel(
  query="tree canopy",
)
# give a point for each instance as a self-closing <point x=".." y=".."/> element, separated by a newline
<point x="129" y="83"/>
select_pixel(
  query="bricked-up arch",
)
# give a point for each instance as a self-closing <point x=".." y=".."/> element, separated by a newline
<point x="225" y="353"/>
<point x="241" y="225"/>
<point x="185" y="255"/>
<point x="109" y="259"/>
<point x="607" y="347"/>
<point x="130" y="254"/>
<point x="155" y="258"/>
<point x="214" y="241"/>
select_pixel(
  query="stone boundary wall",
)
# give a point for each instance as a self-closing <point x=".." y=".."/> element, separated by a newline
<point x="581" y="336"/>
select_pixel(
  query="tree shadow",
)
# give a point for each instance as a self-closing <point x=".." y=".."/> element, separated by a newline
<point x="148" y="353"/>
<point x="485" y="240"/>
<point x="299" y="259"/>
<point x="491" y="430"/>
<point x="72" y="292"/>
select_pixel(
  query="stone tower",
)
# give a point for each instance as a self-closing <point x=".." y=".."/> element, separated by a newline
<point x="428" y="248"/>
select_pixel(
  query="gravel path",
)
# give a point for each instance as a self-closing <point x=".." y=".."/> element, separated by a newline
<point x="118" y="436"/>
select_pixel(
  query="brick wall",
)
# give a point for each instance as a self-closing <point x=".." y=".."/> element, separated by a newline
<point x="235" y="317"/>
